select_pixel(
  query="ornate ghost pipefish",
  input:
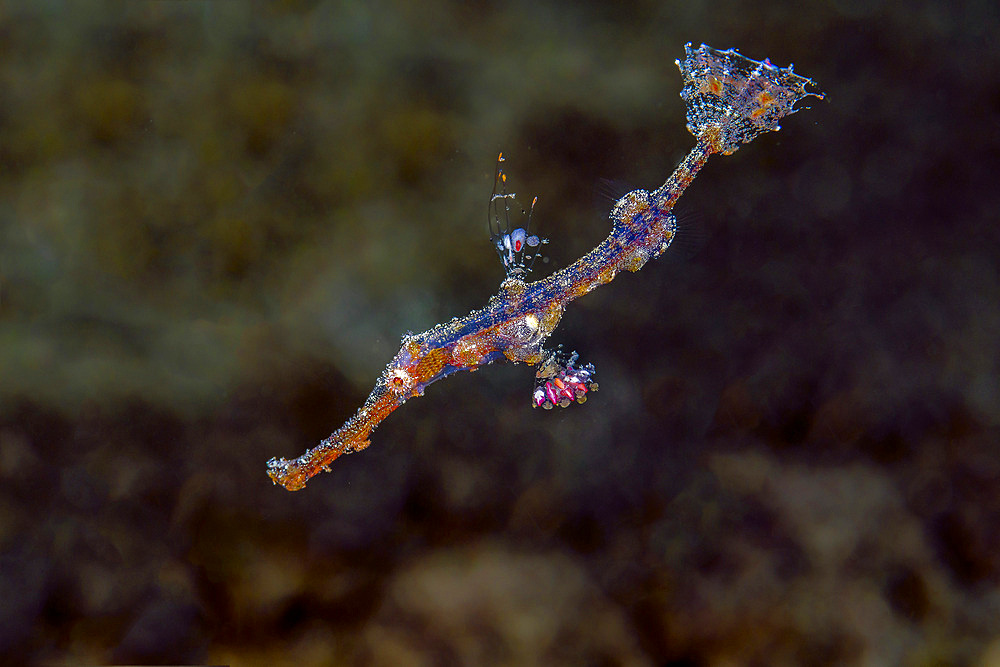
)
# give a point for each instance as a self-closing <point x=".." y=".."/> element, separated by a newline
<point x="730" y="100"/>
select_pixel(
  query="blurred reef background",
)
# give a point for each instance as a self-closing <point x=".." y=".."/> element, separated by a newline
<point x="217" y="219"/>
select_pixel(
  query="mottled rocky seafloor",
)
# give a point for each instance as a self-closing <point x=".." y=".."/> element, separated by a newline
<point x="216" y="220"/>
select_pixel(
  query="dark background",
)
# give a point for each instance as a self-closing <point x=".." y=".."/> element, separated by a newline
<point x="217" y="218"/>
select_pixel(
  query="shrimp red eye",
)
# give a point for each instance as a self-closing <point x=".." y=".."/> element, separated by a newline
<point x="510" y="243"/>
<point x="517" y="238"/>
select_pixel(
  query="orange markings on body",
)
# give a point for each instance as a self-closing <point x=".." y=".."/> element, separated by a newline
<point x="431" y="364"/>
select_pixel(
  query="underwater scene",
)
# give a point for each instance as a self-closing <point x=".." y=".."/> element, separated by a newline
<point x="222" y="224"/>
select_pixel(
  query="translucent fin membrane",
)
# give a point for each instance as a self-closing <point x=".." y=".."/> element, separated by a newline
<point x="731" y="99"/>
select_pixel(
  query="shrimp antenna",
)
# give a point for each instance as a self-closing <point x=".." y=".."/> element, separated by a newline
<point x="511" y="244"/>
